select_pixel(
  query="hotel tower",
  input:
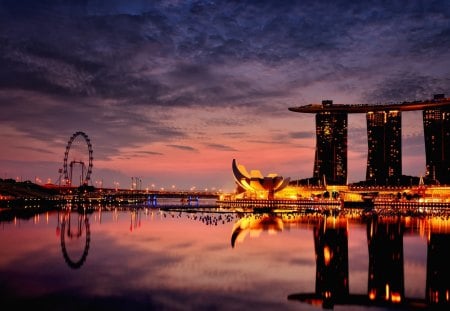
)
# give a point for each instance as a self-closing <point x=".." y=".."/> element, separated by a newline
<point x="436" y="124"/>
<point x="384" y="137"/>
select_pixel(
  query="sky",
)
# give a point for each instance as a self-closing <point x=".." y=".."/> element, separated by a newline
<point x="170" y="92"/>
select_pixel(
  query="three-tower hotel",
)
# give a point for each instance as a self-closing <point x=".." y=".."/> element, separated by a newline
<point x="384" y="156"/>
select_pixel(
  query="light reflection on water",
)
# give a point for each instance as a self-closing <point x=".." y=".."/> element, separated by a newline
<point x="141" y="259"/>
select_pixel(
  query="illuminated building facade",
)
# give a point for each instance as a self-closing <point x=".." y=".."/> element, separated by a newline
<point x="384" y="155"/>
<point x="330" y="162"/>
<point x="384" y="162"/>
<point x="436" y="123"/>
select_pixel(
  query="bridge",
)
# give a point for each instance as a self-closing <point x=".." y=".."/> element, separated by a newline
<point x="113" y="196"/>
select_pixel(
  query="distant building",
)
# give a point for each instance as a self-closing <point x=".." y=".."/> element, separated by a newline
<point x="436" y="124"/>
<point x="384" y="154"/>
<point x="330" y="161"/>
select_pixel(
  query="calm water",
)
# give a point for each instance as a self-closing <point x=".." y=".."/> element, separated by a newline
<point x="149" y="259"/>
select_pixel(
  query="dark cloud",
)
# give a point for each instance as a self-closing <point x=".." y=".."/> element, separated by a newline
<point x="181" y="147"/>
<point x="408" y="86"/>
<point x="300" y="261"/>
<point x="413" y="144"/>
<point x="117" y="51"/>
<point x="234" y="134"/>
<point x="148" y="153"/>
<point x="357" y="138"/>
<point x="40" y="150"/>
<point x="220" y="147"/>
<point x="302" y="135"/>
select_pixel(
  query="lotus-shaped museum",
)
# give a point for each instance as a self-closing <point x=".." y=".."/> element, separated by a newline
<point x="255" y="185"/>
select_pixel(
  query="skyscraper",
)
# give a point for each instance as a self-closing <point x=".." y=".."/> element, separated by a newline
<point x="384" y="160"/>
<point x="436" y="124"/>
<point x="384" y="155"/>
<point x="331" y="146"/>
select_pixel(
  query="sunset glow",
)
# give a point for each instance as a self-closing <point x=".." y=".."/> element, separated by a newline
<point x="172" y="91"/>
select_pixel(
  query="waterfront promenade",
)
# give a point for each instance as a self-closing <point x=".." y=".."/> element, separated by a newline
<point x="26" y="195"/>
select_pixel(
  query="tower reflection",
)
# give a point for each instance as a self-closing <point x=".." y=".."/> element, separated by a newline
<point x="386" y="275"/>
<point x="331" y="253"/>
<point x="438" y="269"/>
<point x="331" y="250"/>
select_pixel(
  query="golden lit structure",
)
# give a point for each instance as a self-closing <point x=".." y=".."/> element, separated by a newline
<point x="254" y="185"/>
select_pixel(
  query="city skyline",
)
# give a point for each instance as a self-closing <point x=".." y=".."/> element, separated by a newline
<point x="171" y="92"/>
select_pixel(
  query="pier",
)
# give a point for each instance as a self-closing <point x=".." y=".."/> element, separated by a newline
<point x="267" y="205"/>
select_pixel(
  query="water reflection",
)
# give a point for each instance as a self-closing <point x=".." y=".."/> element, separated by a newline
<point x="386" y="264"/>
<point x="135" y="220"/>
<point x="438" y="268"/>
<point x="331" y="249"/>
<point x="386" y="274"/>
<point x="75" y="233"/>
<point x="74" y="229"/>
<point x="173" y="247"/>
<point x="254" y="225"/>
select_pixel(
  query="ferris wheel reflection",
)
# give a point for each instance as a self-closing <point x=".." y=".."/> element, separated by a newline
<point x="74" y="230"/>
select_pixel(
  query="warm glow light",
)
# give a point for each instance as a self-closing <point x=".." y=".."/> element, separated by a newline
<point x="316" y="302"/>
<point x="254" y="226"/>
<point x="396" y="298"/>
<point x="327" y="255"/>
<point x="435" y="295"/>
<point x="387" y="292"/>
<point x="372" y="294"/>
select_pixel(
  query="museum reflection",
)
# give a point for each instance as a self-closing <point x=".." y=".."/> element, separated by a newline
<point x="386" y="263"/>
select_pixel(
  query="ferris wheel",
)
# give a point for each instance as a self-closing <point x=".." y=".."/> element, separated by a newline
<point x="78" y="159"/>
